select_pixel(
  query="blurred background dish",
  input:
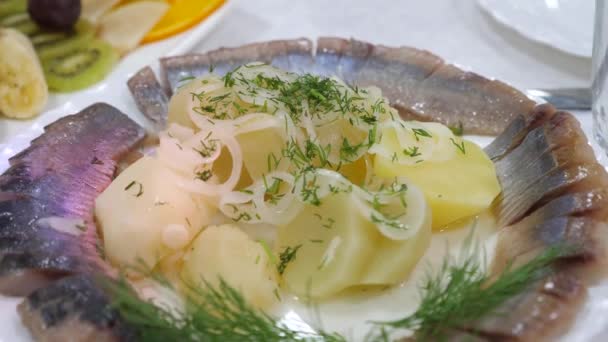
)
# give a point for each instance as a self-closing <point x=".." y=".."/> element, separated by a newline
<point x="566" y="25"/>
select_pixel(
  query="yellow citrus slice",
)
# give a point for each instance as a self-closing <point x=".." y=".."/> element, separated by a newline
<point x="182" y="15"/>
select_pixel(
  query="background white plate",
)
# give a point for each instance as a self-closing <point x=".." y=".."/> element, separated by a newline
<point x="563" y="24"/>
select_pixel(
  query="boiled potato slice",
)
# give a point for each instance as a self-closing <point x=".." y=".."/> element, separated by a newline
<point x="225" y="252"/>
<point x="144" y="216"/>
<point x="336" y="242"/>
<point x="354" y="237"/>
<point x="394" y="260"/>
<point x="456" y="188"/>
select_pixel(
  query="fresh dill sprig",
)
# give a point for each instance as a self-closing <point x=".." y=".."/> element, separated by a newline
<point x="214" y="313"/>
<point x="455" y="298"/>
<point x="462" y="292"/>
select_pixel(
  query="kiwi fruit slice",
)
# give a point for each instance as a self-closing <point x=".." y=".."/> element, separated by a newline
<point x="10" y="7"/>
<point x="21" y="22"/>
<point x="79" y="68"/>
<point x="51" y="44"/>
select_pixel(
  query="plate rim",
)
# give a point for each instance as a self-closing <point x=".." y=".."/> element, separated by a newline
<point x="539" y="38"/>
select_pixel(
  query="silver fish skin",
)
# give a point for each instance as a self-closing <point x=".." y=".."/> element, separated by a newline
<point x="47" y="228"/>
<point x="76" y="308"/>
<point x="555" y="195"/>
<point x="150" y="97"/>
<point x="551" y="159"/>
<point x="517" y="130"/>
<point x="416" y="82"/>
<point x="291" y="55"/>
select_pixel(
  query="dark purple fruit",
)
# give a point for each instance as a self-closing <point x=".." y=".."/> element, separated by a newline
<point x="55" y="14"/>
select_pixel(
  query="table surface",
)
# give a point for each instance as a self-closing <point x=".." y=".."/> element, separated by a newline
<point x="457" y="30"/>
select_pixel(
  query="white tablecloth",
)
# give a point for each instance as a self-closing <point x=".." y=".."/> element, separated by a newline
<point x="457" y="30"/>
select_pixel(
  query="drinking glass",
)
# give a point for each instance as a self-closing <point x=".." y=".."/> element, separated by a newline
<point x="599" y="87"/>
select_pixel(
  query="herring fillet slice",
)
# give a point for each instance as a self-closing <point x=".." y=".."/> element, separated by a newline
<point x="293" y="55"/>
<point x="517" y="131"/>
<point x="551" y="159"/>
<point x="419" y="84"/>
<point x="47" y="229"/>
<point x="74" y="308"/>
<point x="554" y="194"/>
<point x="149" y="96"/>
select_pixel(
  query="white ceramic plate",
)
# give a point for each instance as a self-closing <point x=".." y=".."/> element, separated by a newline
<point x="563" y="24"/>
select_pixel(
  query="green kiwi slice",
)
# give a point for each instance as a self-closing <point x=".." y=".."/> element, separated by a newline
<point x="51" y="44"/>
<point x="20" y="22"/>
<point x="79" y="68"/>
<point x="10" y="7"/>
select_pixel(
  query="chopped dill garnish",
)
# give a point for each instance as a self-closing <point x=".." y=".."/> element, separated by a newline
<point x="130" y="185"/>
<point x="460" y="146"/>
<point x="228" y="80"/>
<point x="204" y="175"/>
<point x="208" y="146"/>
<point x="286" y="256"/>
<point x="329" y="224"/>
<point x="309" y="192"/>
<point x="457" y="130"/>
<point x="140" y="191"/>
<point x="419" y="132"/>
<point x="412" y="152"/>
<point x="348" y="150"/>
<point x="245" y="217"/>
<point x="272" y="162"/>
<point x="271" y="193"/>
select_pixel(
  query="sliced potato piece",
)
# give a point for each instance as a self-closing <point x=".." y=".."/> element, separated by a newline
<point x="144" y="216"/>
<point x="394" y="260"/>
<point x="347" y="236"/>
<point x="125" y="26"/>
<point x="456" y="188"/>
<point x="336" y="242"/>
<point x="225" y="252"/>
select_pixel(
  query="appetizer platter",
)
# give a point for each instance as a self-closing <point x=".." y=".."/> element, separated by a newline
<point x="285" y="190"/>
